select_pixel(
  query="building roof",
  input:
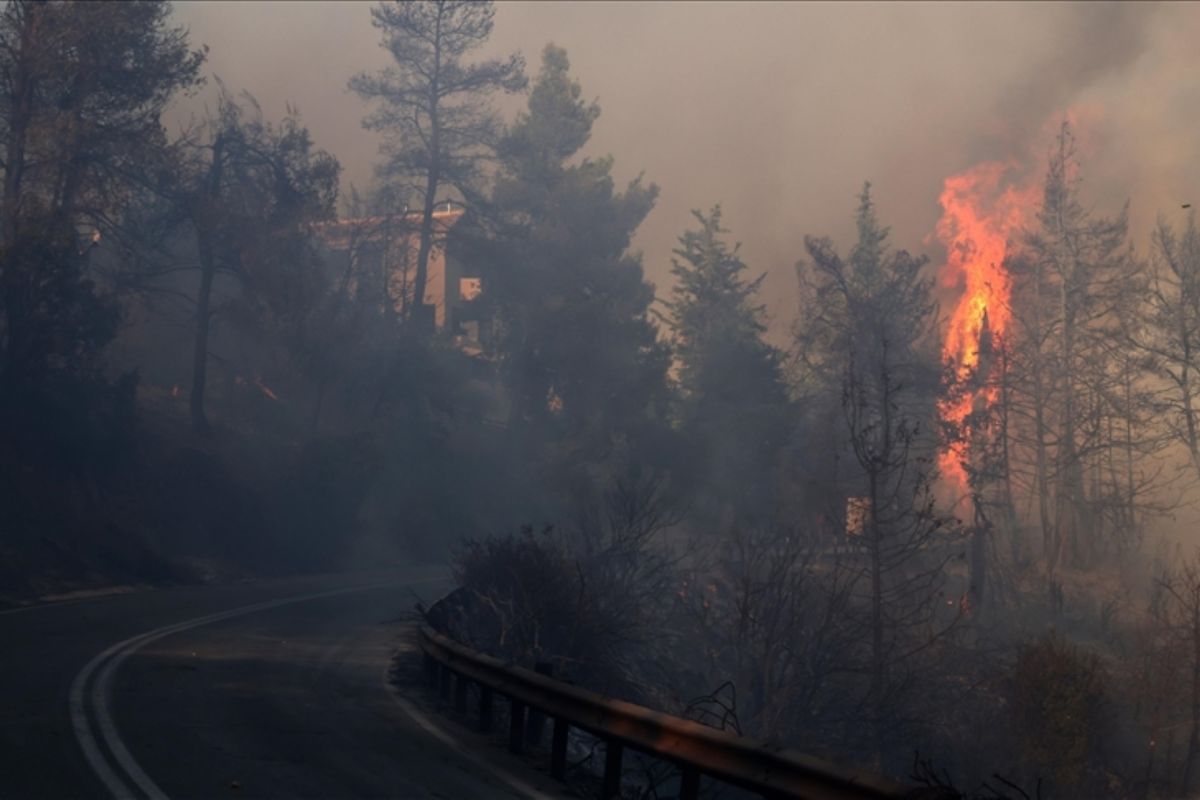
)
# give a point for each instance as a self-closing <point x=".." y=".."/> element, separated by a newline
<point x="337" y="234"/>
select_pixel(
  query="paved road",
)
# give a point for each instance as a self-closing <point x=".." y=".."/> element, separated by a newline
<point x="264" y="689"/>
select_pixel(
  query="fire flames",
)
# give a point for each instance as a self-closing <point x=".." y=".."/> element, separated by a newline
<point x="982" y="209"/>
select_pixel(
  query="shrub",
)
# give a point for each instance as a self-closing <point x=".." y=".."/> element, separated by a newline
<point x="1059" y="709"/>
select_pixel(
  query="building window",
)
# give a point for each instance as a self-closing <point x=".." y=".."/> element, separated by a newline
<point x="469" y="288"/>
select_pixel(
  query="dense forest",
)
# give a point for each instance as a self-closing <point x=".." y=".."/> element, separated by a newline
<point x="922" y="538"/>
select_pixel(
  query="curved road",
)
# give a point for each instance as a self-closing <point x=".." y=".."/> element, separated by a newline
<point x="264" y="689"/>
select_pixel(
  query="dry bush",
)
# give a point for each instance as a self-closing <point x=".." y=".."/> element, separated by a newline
<point x="585" y="599"/>
<point x="1060" y="712"/>
<point x="767" y="617"/>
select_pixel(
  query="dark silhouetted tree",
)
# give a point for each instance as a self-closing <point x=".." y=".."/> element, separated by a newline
<point x="433" y="105"/>
<point x="869" y="324"/>
<point x="82" y="90"/>
<point x="250" y="192"/>
<point x="734" y="408"/>
<point x="1073" y="374"/>
<point x="578" y="351"/>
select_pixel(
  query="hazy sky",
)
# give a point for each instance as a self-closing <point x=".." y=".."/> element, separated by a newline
<point x="780" y="111"/>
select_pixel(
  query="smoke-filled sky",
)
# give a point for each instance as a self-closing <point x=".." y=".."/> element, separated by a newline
<point x="780" y="111"/>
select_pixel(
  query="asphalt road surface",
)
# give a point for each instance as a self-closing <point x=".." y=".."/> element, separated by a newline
<point x="270" y="689"/>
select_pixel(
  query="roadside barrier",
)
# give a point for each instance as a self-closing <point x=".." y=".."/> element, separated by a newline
<point x="766" y="769"/>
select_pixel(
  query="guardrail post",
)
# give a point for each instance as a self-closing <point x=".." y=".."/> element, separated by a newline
<point x="485" y="708"/>
<point x="460" y="694"/>
<point x="444" y="683"/>
<point x="612" y="769"/>
<point x="558" y="749"/>
<point x="431" y="666"/>
<point x="516" y="726"/>
<point x="537" y="720"/>
<point x="689" y="783"/>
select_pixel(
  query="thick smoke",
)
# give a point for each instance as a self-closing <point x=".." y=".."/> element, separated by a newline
<point x="1087" y="43"/>
<point x="779" y="111"/>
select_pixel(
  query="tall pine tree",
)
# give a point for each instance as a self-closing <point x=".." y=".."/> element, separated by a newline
<point x="734" y="410"/>
<point x="434" y="107"/>
<point x="579" y="353"/>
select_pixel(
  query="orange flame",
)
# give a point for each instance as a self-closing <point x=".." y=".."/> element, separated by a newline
<point x="981" y="210"/>
<point x="266" y="390"/>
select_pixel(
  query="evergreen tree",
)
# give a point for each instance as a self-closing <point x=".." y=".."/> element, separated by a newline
<point x="872" y="312"/>
<point x="82" y="91"/>
<point x="866" y="341"/>
<point x="856" y="305"/>
<point x="735" y="412"/>
<point x="579" y="354"/>
<point x="245" y="194"/>
<point x="434" y="108"/>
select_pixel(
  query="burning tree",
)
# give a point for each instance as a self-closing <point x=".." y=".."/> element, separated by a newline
<point x="981" y="213"/>
<point x="980" y="439"/>
<point x="1046" y="401"/>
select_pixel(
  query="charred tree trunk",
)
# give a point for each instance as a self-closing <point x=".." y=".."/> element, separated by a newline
<point x="1041" y="433"/>
<point x="23" y="88"/>
<point x="1194" y="732"/>
<point x="1194" y="727"/>
<point x="71" y="170"/>
<point x="432" y="182"/>
<point x="1131" y="488"/>
<point x="977" y="585"/>
<point x="1186" y="390"/>
<point x="1008" y="516"/>
<point x="874" y="476"/>
<point x="1070" y="470"/>
<point x="205" y="235"/>
<point x="200" y="348"/>
<point x="877" y="657"/>
<point x="426" y="246"/>
<point x="13" y="338"/>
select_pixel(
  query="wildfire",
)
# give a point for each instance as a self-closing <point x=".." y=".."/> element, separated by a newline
<point x="981" y="209"/>
<point x="266" y="390"/>
<point x="257" y="382"/>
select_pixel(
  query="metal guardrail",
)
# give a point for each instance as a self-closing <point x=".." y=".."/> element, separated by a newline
<point x="767" y="769"/>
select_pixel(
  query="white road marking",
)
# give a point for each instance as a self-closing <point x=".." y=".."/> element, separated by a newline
<point x="439" y="733"/>
<point x="123" y="787"/>
<point x="58" y="603"/>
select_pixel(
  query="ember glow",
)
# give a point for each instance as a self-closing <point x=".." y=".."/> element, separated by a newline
<point x="982" y="209"/>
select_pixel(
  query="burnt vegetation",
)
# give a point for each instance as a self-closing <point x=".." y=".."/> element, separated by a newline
<point x="214" y="362"/>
